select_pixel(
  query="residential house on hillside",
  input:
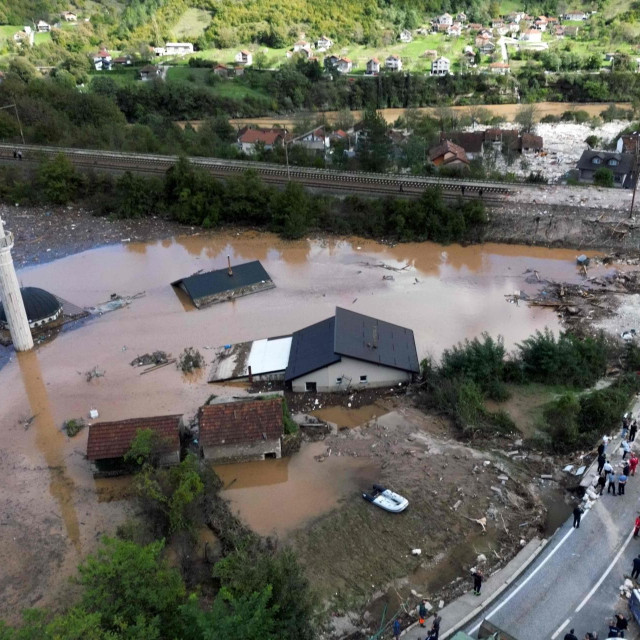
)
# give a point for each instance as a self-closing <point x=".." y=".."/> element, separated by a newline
<point x="575" y="16"/>
<point x="461" y="17"/>
<point x="447" y="154"/>
<point x="177" y="48"/>
<point x="244" y="57"/>
<point x="373" y="67"/>
<point x="445" y="18"/>
<point x="149" y="72"/>
<point x="323" y="43"/>
<point x="123" y="61"/>
<point x="440" y="66"/>
<point x="455" y="30"/>
<point x="344" y="65"/>
<point x="300" y="45"/>
<point x="393" y="63"/>
<point x="500" y="68"/>
<point x="620" y="165"/>
<point x="330" y="62"/>
<point x="471" y="141"/>
<point x="475" y="27"/>
<point x="485" y="45"/>
<point x="405" y="36"/>
<point x="351" y="351"/>
<point x="442" y="28"/>
<point x="250" y="139"/>
<point x="102" y="60"/>
<point x="540" y="23"/>
<point x="69" y="16"/>
<point x="241" y="431"/>
<point x="43" y="27"/>
<point x="513" y="28"/>
<point x="495" y="24"/>
<point x="108" y="442"/>
<point x="531" y="35"/>
<point x="26" y="36"/>
<point x="559" y="31"/>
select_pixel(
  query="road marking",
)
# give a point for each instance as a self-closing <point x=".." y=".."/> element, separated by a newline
<point x="529" y="577"/>
<point x="560" y="628"/>
<point x="606" y="573"/>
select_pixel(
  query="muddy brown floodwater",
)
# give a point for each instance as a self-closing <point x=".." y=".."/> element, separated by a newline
<point x="52" y="512"/>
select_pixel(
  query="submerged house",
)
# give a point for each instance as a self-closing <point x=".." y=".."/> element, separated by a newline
<point x="225" y="284"/>
<point x="239" y="431"/>
<point x="109" y="442"/>
<point x="351" y="351"/>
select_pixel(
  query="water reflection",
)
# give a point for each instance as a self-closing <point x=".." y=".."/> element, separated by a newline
<point x="50" y="442"/>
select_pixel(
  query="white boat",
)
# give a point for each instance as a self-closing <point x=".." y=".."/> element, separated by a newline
<point x="386" y="499"/>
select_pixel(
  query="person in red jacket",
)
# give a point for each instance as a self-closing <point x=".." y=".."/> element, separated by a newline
<point x="633" y="462"/>
<point x="636" y="529"/>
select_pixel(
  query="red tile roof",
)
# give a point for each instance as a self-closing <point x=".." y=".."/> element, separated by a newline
<point x="268" y="136"/>
<point x="240" y="422"/>
<point x="113" y="439"/>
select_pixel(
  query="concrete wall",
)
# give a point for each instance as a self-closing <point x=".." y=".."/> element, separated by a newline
<point x="242" y="452"/>
<point x="350" y="370"/>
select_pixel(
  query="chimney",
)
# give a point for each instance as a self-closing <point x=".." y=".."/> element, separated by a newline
<point x="229" y="269"/>
<point x="250" y="375"/>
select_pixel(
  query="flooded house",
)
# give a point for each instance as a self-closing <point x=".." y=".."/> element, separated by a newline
<point x="241" y="431"/>
<point x="351" y="351"/>
<point x="108" y="442"/>
<point x="221" y="285"/>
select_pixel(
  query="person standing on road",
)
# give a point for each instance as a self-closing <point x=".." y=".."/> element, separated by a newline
<point x="396" y="629"/>
<point x="626" y="448"/>
<point x="435" y="627"/>
<point x="636" y="526"/>
<point x="612" y="483"/>
<point x="602" y="481"/>
<point x="626" y="469"/>
<point x="601" y="460"/>
<point x="571" y="635"/>
<point x="422" y="612"/>
<point x="636" y="568"/>
<point x="633" y="462"/>
<point x="625" y="426"/>
<point x="633" y="429"/>
<point x="607" y="468"/>
<point x="621" y="624"/>
<point x="577" y="514"/>
<point x="622" y="482"/>
<point x="601" y="449"/>
<point x="477" y="581"/>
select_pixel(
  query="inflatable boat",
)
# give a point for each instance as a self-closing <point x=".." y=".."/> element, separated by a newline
<point x="386" y="499"/>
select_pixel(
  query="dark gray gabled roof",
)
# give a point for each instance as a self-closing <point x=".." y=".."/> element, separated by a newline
<point x="202" y="285"/>
<point x="366" y="338"/>
<point x="312" y="349"/>
<point x="624" y="166"/>
<point x="352" y="335"/>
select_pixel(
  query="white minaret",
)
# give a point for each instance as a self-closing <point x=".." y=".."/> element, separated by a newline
<point x="11" y="296"/>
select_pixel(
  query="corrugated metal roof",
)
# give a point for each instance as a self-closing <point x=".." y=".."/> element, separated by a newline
<point x="240" y="422"/>
<point x="113" y="439"/>
<point x="202" y="285"/>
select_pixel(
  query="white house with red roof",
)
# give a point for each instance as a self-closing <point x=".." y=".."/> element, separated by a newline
<point x="373" y="67"/>
<point x="393" y="63"/>
<point x="250" y="139"/>
<point x="244" y="57"/>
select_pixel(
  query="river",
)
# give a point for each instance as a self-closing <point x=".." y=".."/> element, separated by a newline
<point x="506" y="111"/>
<point x="444" y="294"/>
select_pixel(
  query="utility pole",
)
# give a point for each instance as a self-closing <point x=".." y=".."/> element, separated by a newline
<point x="286" y="155"/>
<point x="635" y="177"/>
<point x="15" y="106"/>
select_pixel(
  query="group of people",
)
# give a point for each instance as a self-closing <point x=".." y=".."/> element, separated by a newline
<point x="617" y="628"/>
<point x="616" y="481"/>
<point x="423" y="614"/>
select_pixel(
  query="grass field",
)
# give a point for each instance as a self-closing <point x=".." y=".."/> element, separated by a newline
<point x="191" y="24"/>
<point x="121" y="76"/>
<point x="224" y="88"/>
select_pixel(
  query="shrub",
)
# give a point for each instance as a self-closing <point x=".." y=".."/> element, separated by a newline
<point x="190" y="360"/>
<point x="561" y="417"/>
<point x="603" y="177"/>
<point x="73" y="427"/>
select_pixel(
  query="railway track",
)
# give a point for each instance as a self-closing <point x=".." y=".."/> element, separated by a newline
<point x="321" y="179"/>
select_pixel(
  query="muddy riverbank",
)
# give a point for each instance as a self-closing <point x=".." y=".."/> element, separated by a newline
<point x="443" y="293"/>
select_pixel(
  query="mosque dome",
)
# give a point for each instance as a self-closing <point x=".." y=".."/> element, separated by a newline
<point x="41" y="306"/>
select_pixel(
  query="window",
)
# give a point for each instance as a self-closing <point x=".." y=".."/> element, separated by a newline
<point x="596" y="160"/>
<point x="338" y="380"/>
<point x="613" y="162"/>
<point x="363" y="378"/>
<point x="310" y="386"/>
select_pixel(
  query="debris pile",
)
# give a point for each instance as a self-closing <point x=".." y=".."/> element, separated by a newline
<point x="190" y="360"/>
<point x="94" y="373"/>
<point x="74" y="426"/>
<point x="157" y="357"/>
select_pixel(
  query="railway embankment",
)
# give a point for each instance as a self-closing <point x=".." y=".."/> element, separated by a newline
<point x="557" y="225"/>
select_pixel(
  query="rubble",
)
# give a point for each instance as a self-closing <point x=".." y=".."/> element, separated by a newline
<point x="157" y="357"/>
<point x="94" y="373"/>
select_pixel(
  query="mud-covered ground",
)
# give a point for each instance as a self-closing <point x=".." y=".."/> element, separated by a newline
<point x="361" y="558"/>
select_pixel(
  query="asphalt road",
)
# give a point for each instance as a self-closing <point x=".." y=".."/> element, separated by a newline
<point x="575" y="581"/>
